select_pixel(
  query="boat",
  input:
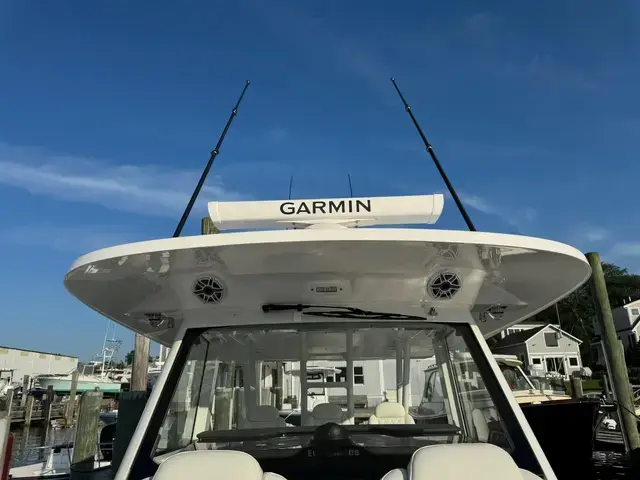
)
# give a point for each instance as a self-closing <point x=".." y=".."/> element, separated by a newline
<point x="432" y="404"/>
<point x="289" y="284"/>
<point x="57" y="462"/>
<point x="93" y="375"/>
<point x="86" y="383"/>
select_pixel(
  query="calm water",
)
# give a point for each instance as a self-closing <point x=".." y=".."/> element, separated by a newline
<point x="28" y="443"/>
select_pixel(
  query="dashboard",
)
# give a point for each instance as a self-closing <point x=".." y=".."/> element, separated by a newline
<point x="333" y="453"/>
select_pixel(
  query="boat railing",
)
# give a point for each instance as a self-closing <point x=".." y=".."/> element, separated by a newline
<point x="549" y="383"/>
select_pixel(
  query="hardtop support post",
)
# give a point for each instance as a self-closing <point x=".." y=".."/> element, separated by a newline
<point x="351" y="411"/>
<point x="406" y="375"/>
<point x="304" y="414"/>
<point x="398" y="371"/>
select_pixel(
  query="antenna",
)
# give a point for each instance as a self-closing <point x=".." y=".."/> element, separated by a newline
<point x="350" y="187"/>
<point x="290" y="186"/>
<point x="213" y="156"/>
<point x="429" y="148"/>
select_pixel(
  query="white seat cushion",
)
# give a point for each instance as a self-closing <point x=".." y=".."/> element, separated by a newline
<point x="396" y="474"/>
<point x="325" y="413"/>
<point x="263" y="416"/>
<point x="480" y="461"/>
<point x="212" y="465"/>
<point x="390" y="413"/>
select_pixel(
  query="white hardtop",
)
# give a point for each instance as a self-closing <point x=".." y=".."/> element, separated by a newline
<point x="158" y="287"/>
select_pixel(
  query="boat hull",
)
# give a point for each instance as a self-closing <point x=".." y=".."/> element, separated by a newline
<point x="64" y="386"/>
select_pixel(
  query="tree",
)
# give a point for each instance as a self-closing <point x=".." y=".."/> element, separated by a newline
<point x="576" y="312"/>
<point x="128" y="358"/>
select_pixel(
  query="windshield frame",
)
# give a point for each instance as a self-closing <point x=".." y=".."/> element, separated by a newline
<point x="526" y="454"/>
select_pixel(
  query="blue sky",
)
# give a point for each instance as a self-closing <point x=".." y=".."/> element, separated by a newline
<point x="108" y="112"/>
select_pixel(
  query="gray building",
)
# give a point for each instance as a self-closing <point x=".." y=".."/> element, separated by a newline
<point x="626" y="320"/>
<point x="542" y="349"/>
<point x="15" y="363"/>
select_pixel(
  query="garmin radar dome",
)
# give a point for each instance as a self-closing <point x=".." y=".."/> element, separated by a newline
<point x="315" y="213"/>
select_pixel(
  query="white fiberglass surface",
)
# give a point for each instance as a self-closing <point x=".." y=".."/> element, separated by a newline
<point x="294" y="377"/>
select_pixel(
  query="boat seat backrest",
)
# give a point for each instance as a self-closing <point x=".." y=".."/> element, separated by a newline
<point x="326" y="413"/>
<point x="262" y="416"/>
<point x="213" y="465"/>
<point x="478" y="461"/>
<point x="390" y="413"/>
<point x="397" y="474"/>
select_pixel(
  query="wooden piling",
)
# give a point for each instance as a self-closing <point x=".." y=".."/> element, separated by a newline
<point x="576" y="387"/>
<point x="26" y="382"/>
<point x="47" y="403"/>
<point x="207" y="227"/>
<point x="223" y="406"/>
<point x="605" y="387"/>
<point x="71" y="405"/>
<point x="140" y="367"/>
<point x="129" y="412"/>
<point x="614" y="353"/>
<point x="86" y="438"/>
<point x="28" y="409"/>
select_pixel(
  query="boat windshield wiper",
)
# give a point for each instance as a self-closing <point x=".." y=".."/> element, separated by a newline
<point x="257" y="434"/>
<point x="338" y="312"/>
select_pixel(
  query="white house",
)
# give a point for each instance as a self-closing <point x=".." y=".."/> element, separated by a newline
<point x="541" y="348"/>
<point x="624" y="318"/>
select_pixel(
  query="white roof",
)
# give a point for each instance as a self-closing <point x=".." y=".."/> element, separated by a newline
<point x="225" y="279"/>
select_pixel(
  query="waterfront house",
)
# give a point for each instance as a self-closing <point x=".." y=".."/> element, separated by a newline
<point x="542" y="348"/>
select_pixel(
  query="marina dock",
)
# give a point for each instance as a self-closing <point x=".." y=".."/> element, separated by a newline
<point x="22" y="415"/>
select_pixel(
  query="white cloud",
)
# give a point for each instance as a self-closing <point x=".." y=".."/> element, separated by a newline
<point x="519" y="218"/>
<point x="625" y="249"/>
<point x="145" y="189"/>
<point x="479" y="203"/>
<point x="596" y="234"/>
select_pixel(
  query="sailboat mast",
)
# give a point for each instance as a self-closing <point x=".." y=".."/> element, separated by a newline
<point x="429" y="148"/>
<point x="214" y="154"/>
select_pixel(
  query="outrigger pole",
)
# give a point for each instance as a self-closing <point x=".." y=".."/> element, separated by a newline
<point x="213" y="156"/>
<point x="429" y="148"/>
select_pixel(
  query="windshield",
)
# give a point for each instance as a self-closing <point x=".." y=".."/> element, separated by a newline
<point x="515" y="378"/>
<point x="284" y="382"/>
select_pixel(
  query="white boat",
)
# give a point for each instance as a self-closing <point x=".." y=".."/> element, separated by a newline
<point x="433" y="404"/>
<point x="57" y="458"/>
<point x="86" y="383"/>
<point x="239" y="309"/>
<point x="56" y="465"/>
